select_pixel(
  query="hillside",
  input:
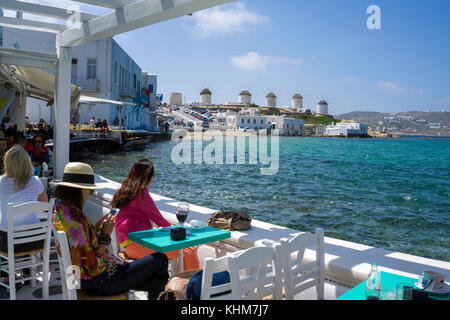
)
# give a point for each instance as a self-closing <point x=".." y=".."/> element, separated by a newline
<point x="429" y="123"/>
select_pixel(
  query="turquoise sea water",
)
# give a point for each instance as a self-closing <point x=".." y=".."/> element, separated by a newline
<point x="387" y="193"/>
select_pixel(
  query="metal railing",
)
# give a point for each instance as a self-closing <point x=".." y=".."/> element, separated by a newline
<point x="87" y="84"/>
<point x="128" y="92"/>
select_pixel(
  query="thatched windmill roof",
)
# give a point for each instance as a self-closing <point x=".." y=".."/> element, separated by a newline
<point x="245" y="93"/>
<point x="205" y="91"/>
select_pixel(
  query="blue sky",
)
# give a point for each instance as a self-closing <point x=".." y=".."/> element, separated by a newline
<point x="319" y="48"/>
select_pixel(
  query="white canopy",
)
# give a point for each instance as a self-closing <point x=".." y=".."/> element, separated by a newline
<point x="82" y="27"/>
<point x="94" y="100"/>
<point x="39" y="83"/>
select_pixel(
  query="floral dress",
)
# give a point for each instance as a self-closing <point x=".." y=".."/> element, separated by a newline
<point x="83" y="242"/>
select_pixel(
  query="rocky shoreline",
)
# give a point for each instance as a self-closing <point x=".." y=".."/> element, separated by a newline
<point x="379" y="134"/>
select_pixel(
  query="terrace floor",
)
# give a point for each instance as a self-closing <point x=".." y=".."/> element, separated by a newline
<point x="26" y="292"/>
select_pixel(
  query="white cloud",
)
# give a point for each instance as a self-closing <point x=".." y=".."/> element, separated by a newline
<point x="225" y="20"/>
<point x="398" y="89"/>
<point x="444" y="102"/>
<point x="351" y="79"/>
<point x="391" y="86"/>
<point x="254" y="61"/>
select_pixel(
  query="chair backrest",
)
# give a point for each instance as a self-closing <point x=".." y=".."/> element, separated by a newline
<point x="65" y="266"/>
<point x="211" y="267"/>
<point x="299" y="276"/>
<point x="255" y="274"/>
<point x="20" y="234"/>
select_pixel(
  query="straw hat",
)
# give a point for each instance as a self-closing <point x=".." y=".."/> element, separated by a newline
<point x="78" y="175"/>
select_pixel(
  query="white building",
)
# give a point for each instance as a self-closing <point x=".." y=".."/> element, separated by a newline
<point x="347" y="129"/>
<point x="271" y="100"/>
<point x="322" y="107"/>
<point x="150" y="87"/>
<point x="176" y="99"/>
<point x="102" y="69"/>
<point x="245" y="97"/>
<point x="285" y="125"/>
<point x="258" y="122"/>
<point x="205" y="97"/>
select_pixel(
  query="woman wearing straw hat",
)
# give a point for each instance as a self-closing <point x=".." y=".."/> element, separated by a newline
<point x="100" y="272"/>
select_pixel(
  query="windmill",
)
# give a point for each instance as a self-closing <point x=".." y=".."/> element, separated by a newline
<point x="210" y="85"/>
<point x="251" y="90"/>
<point x="272" y="96"/>
<point x="328" y="98"/>
<point x="305" y="97"/>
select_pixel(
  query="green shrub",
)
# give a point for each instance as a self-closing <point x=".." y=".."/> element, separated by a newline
<point x="312" y="119"/>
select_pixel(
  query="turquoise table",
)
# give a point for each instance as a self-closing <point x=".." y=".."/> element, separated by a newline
<point x="388" y="280"/>
<point x="159" y="240"/>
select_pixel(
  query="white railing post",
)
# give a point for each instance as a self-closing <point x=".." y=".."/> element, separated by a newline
<point x="62" y="111"/>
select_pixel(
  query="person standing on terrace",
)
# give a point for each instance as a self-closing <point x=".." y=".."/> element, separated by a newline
<point x="138" y="211"/>
<point x="92" y="123"/>
<point x="101" y="273"/>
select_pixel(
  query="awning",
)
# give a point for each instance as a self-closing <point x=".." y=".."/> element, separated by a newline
<point x="40" y="84"/>
<point x="94" y="100"/>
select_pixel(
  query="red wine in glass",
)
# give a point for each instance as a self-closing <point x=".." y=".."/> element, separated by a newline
<point x="182" y="212"/>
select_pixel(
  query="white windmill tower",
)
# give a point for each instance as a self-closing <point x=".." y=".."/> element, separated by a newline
<point x="297" y="102"/>
<point x="209" y="93"/>
<point x="205" y="97"/>
<point x="324" y="105"/>
<point x="245" y="97"/>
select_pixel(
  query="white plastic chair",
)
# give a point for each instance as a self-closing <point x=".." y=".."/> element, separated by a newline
<point x="27" y="234"/>
<point x="70" y="280"/>
<point x="255" y="274"/>
<point x="299" y="276"/>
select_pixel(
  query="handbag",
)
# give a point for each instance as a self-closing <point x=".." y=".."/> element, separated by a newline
<point x="231" y="220"/>
<point x="176" y="286"/>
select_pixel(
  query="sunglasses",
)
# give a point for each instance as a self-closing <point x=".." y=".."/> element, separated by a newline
<point x="38" y="141"/>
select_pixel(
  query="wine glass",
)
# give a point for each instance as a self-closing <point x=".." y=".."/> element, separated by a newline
<point x="182" y="212"/>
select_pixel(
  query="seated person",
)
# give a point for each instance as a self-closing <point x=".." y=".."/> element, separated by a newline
<point x="18" y="139"/>
<point x="38" y="153"/>
<point x="138" y="211"/>
<point x="3" y="129"/>
<point x="18" y="185"/>
<point x="105" y="126"/>
<point x="100" y="272"/>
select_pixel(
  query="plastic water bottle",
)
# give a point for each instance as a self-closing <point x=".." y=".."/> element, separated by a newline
<point x="44" y="170"/>
<point x="373" y="283"/>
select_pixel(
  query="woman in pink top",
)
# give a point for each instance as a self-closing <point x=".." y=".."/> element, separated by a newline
<point x="138" y="211"/>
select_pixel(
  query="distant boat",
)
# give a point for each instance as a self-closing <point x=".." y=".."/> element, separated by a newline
<point x="136" y="143"/>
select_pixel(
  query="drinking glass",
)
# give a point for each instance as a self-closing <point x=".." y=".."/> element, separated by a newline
<point x="182" y="212"/>
<point x="404" y="291"/>
<point x="387" y="294"/>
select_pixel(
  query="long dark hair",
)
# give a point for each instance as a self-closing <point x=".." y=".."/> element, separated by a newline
<point x="136" y="181"/>
<point x="69" y="195"/>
